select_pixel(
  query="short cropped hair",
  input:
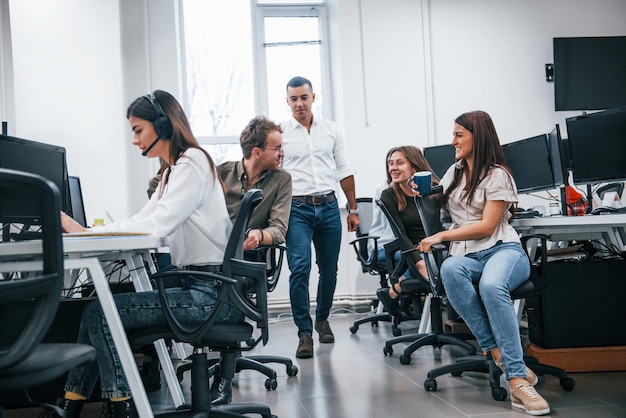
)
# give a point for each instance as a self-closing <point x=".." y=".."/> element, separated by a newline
<point x="255" y="133"/>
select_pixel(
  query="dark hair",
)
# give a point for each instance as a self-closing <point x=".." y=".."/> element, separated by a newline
<point x="299" y="81"/>
<point x="255" y="133"/>
<point x="182" y="137"/>
<point x="487" y="151"/>
<point x="419" y="163"/>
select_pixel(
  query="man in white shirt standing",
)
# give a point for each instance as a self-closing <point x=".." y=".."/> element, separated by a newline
<point x="316" y="158"/>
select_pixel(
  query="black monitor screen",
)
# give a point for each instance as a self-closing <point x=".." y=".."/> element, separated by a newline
<point x="440" y="158"/>
<point x="589" y="73"/>
<point x="529" y="161"/>
<point x="555" y="147"/>
<point x="76" y="200"/>
<point x="45" y="160"/>
<point x="597" y="146"/>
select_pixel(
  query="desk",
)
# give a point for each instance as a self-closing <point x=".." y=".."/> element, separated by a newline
<point x="611" y="229"/>
<point x="86" y="253"/>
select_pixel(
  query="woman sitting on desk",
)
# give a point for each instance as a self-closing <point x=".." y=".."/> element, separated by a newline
<point x="401" y="163"/>
<point x="487" y="260"/>
<point x="189" y="208"/>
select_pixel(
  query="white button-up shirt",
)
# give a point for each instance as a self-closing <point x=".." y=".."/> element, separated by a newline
<point x="315" y="160"/>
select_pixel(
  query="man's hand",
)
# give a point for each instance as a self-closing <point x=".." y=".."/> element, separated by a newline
<point x="353" y="222"/>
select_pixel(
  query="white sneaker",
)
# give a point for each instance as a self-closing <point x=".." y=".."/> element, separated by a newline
<point x="524" y="396"/>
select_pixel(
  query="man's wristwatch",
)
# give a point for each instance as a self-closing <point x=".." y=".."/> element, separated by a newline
<point x="353" y="211"/>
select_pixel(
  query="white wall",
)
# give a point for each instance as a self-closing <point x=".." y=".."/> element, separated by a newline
<point x="79" y="63"/>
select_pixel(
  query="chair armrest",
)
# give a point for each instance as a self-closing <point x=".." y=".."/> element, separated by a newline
<point x="372" y="259"/>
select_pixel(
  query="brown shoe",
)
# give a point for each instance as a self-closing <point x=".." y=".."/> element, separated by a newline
<point x="525" y="397"/>
<point x="305" y="346"/>
<point x="326" y="334"/>
<point x="531" y="377"/>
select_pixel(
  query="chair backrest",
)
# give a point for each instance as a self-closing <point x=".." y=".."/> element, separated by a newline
<point x="394" y="268"/>
<point x="234" y="248"/>
<point x="23" y="324"/>
<point x="429" y="209"/>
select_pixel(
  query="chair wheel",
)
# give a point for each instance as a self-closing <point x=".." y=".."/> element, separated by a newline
<point x="430" y="385"/>
<point x="396" y="332"/>
<point x="388" y="351"/>
<point x="568" y="384"/>
<point x="271" y="384"/>
<point x="292" y="370"/>
<point x="405" y="359"/>
<point x="354" y="329"/>
<point x="375" y="323"/>
<point x="499" y="393"/>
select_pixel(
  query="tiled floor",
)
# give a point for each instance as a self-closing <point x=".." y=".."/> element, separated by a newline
<point x="352" y="378"/>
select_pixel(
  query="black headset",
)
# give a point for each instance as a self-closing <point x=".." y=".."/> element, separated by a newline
<point x="162" y="125"/>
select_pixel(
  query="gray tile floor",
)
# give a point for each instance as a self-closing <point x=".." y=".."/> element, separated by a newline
<point x="354" y="379"/>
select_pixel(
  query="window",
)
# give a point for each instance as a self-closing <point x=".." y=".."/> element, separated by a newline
<point x="237" y="58"/>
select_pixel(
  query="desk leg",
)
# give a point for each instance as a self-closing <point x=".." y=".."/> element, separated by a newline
<point x="117" y="332"/>
<point x="141" y="281"/>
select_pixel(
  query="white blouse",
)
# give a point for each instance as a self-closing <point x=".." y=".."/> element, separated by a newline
<point x="498" y="184"/>
<point x="191" y="211"/>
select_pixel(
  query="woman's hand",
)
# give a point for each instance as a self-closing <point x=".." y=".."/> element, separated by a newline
<point x="70" y="225"/>
<point x="426" y="243"/>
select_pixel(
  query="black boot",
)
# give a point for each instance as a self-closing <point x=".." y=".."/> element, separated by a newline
<point x="221" y="390"/>
<point x="71" y="408"/>
<point x="123" y="409"/>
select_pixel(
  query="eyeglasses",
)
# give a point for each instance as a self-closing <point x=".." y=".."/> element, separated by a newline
<point x="275" y="149"/>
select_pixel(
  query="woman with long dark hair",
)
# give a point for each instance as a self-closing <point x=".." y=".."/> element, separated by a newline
<point x="188" y="207"/>
<point x="486" y="260"/>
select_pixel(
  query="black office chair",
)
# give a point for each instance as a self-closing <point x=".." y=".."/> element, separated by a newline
<point x="432" y="308"/>
<point x="429" y="210"/>
<point x="272" y="256"/>
<point x="29" y="301"/>
<point x="243" y="283"/>
<point x="371" y="265"/>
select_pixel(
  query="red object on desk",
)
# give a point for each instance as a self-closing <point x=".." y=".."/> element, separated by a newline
<point x="576" y="202"/>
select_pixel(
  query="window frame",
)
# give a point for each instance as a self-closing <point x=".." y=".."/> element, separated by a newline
<point x="258" y="13"/>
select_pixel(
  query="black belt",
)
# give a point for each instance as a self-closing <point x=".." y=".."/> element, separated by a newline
<point x="211" y="268"/>
<point x="316" y="200"/>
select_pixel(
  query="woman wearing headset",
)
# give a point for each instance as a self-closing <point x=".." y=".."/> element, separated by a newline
<point x="188" y="207"/>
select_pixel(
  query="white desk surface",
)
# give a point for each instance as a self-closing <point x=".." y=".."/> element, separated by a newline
<point x="83" y="252"/>
<point x="610" y="220"/>
<point x="86" y="244"/>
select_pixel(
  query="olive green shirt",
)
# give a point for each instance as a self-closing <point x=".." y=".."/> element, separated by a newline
<point x="272" y="214"/>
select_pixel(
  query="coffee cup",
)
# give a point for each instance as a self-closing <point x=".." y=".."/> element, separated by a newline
<point x="421" y="182"/>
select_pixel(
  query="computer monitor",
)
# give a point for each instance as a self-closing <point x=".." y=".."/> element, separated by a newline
<point x="597" y="146"/>
<point x="589" y="72"/>
<point x="529" y="161"/>
<point x="440" y="158"/>
<point x="555" y="147"/>
<point x="76" y="200"/>
<point x="39" y="158"/>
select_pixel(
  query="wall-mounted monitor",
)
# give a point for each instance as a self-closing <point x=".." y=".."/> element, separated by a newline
<point x="530" y="162"/>
<point x="440" y="158"/>
<point x="597" y="146"/>
<point x="39" y="158"/>
<point x="589" y="73"/>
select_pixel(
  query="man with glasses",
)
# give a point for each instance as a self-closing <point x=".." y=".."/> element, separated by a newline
<point x="262" y="146"/>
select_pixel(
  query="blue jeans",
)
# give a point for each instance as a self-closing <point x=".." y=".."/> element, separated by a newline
<point x="192" y="304"/>
<point x="320" y="224"/>
<point x="382" y="257"/>
<point x="488" y="311"/>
